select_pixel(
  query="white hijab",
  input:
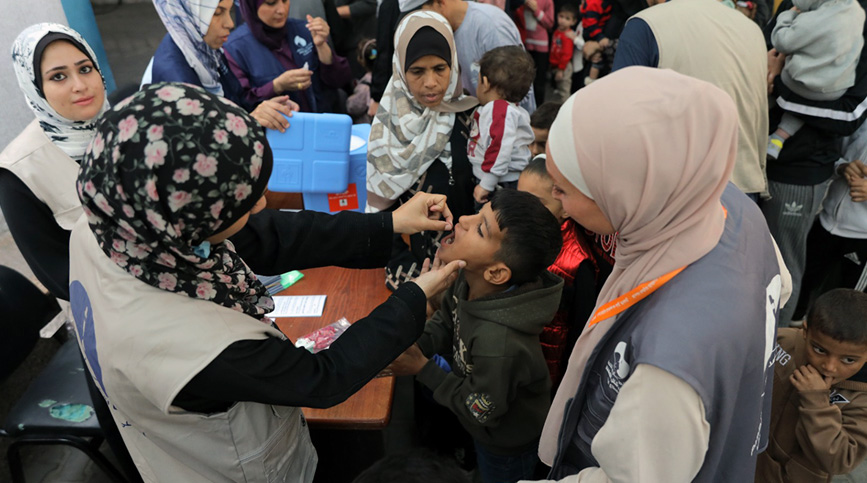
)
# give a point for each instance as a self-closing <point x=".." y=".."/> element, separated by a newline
<point x="72" y="137"/>
<point x="406" y="137"/>
<point x="187" y="21"/>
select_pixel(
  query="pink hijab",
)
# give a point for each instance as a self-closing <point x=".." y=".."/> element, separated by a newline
<point x="655" y="157"/>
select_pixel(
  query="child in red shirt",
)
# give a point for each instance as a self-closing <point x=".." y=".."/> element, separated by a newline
<point x="560" y="56"/>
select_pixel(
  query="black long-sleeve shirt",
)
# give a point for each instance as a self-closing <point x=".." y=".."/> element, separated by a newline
<point x="42" y="242"/>
<point x="273" y="371"/>
<point x="388" y="17"/>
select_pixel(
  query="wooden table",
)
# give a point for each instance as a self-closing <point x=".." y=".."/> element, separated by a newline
<point x="352" y="294"/>
<point x="283" y="201"/>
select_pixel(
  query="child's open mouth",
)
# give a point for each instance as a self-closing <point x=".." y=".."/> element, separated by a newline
<point x="448" y="239"/>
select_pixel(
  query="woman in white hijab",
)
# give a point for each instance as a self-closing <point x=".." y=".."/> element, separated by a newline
<point x="58" y="73"/>
<point x="60" y="78"/>
<point x="192" y="53"/>
<point x="669" y="380"/>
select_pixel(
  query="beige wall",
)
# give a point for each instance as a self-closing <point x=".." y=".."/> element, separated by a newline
<point x="15" y="17"/>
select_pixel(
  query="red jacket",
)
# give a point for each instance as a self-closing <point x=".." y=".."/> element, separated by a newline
<point x="576" y="266"/>
<point x="561" y="50"/>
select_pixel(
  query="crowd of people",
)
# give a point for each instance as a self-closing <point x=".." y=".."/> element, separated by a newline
<point x="626" y="241"/>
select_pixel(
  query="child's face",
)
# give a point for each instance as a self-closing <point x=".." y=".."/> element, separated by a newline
<point x="475" y="240"/>
<point x="537" y="147"/>
<point x="541" y="188"/>
<point x="833" y="358"/>
<point x="565" y="20"/>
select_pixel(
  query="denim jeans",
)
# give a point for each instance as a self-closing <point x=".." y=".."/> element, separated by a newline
<point x="496" y="468"/>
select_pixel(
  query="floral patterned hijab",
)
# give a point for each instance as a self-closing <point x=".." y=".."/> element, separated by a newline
<point x="169" y="167"/>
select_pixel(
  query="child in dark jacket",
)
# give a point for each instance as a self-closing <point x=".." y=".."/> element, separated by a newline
<point x="489" y="323"/>
<point x="818" y="424"/>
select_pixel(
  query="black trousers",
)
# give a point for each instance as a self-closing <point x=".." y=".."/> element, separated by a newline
<point x="832" y="262"/>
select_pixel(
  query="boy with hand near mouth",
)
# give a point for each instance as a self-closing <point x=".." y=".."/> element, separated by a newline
<point x="489" y="323"/>
<point x="818" y="424"/>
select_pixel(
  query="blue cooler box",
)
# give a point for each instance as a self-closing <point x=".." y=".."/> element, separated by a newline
<point x="354" y="195"/>
<point x="312" y="156"/>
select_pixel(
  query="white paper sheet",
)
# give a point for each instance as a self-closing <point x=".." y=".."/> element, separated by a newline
<point x="298" y="306"/>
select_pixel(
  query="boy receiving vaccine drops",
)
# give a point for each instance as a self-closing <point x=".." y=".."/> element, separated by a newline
<point x="498" y="384"/>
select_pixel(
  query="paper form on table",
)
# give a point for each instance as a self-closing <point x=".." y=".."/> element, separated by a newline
<point x="298" y="306"/>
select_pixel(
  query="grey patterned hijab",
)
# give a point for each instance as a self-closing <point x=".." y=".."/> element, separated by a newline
<point x="72" y="137"/>
<point x="407" y="137"/>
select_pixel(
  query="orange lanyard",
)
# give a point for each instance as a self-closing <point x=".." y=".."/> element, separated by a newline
<point x="637" y="294"/>
<point x="632" y="297"/>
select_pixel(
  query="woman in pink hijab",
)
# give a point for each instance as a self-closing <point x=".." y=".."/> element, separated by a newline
<point x="668" y="381"/>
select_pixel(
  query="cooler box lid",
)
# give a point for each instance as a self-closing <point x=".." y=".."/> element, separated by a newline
<point x="312" y="156"/>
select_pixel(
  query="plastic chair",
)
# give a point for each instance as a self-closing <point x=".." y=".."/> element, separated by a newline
<point x="47" y="412"/>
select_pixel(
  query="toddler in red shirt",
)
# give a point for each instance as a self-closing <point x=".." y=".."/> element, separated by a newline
<point x="560" y="56"/>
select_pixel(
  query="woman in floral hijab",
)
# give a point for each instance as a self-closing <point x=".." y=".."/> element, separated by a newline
<point x="172" y="320"/>
<point x="148" y="216"/>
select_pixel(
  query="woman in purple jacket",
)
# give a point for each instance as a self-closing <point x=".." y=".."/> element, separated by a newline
<point x="273" y="55"/>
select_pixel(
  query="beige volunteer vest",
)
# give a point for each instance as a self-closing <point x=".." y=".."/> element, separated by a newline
<point x="143" y="345"/>
<point x="709" y="41"/>
<point x="47" y="171"/>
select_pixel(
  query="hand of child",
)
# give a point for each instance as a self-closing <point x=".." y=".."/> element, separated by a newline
<point x="807" y="378"/>
<point x="423" y="212"/>
<point x="558" y="75"/>
<point x="409" y="363"/>
<point x="855" y="171"/>
<point x="319" y="30"/>
<point x="858" y="190"/>
<point x="532" y="5"/>
<point x="604" y="43"/>
<point x="481" y="194"/>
